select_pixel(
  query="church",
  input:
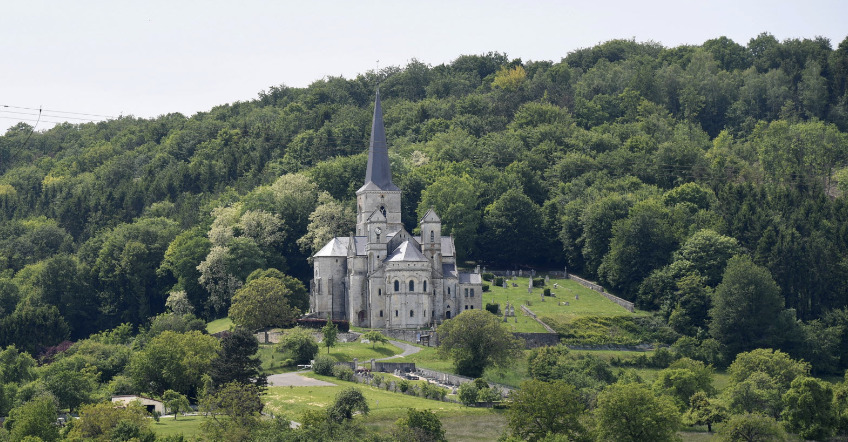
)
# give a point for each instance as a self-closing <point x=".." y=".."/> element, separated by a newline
<point x="382" y="276"/>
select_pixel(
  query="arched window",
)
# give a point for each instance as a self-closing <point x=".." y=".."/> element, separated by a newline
<point x="381" y="313"/>
<point x="449" y="290"/>
<point x="411" y="285"/>
<point x="412" y="313"/>
<point x="425" y="287"/>
<point x="379" y="293"/>
<point x="396" y="313"/>
<point x="397" y="285"/>
<point x="432" y="236"/>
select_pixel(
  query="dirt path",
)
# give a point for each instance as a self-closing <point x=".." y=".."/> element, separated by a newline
<point x="293" y="379"/>
<point x="408" y="349"/>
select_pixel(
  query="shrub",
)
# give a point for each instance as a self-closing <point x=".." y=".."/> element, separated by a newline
<point x="323" y="365"/>
<point x="403" y="385"/>
<point x="499" y="281"/>
<point x="488" y="276"/>
<point x="493" y="308"/>
<point x="547" y="292"/>
<point x="343" y="372"/>
<point x="485" y="287"/>
<point x="299" y="345"/>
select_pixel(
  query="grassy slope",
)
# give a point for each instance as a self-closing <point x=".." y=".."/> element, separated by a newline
<point x="590" y="303"/>
<point x="219" y="325"/>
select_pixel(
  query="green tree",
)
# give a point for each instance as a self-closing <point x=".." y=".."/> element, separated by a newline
<point x="299" y="296"/>
<point x="808" y="408"/>
<point x="173" y="361"/>
<point x="347" y="402"/>
<point x="775" y="363"/>
<point x="36" y="417"/>
<point x="708" y="253"/>
<point x="71" y="380"/>
<point x="640" y="243"/>
<point x="375" y="337"/>
<point x="237" y="360"/>
<point x="331" y="333"/>
<point x="704" y="411"/>
<point x="681" y="383"/>
<point x="181" y="260"/>
<point x="16" y="366"/>
<point x="329" y="219"/>
<point x="419" y="426"/>
<point x="747" y="308"/>
<point x="467" y="393"/>
<point x="632" y="412"/>
<point x="475" y="339"/>
<point x="454" y="199"/>
<point x="752" y="428"/>
<point x="299" y="344"/>
<point x="512" y="229"/>
<point x="101" y="421"/>
<point x="759" y="393"/>
<point x="261" y="303"/>
<point x="235" y="410"/>
<point x="542" y="408"/>
<point x="175" y="402"/>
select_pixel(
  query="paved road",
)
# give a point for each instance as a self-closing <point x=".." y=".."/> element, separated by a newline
<point x="408" y="349"/>
<point x="294" y="379"/>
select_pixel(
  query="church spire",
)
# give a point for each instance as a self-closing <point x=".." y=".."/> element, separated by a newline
<point x="378" y="176"/>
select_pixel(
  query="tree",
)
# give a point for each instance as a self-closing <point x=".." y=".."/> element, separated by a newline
<point x="181" y="260"/>
<point x="375" y="337"/>
<point x="759" y="393"/>
<point x="475" y="339"/>
<point x="747" y="307"/>
<point x="512" y="229"/>
<point x="234" y="409"/>
<point x="106" y="422"/>
<point x="237" y="360"/>
<point x="704" y="411"/>
<point x="179" y="303"/>
<point x="299" y="344"/>
<point x="36" y="417"/>
<point x="808" y="408"/>
<point x="173" y="361"/>
<point x="640" y="243"/>
<point x="329" y="219"/>
<point x="261" y="303"/>
<point x="175" y="402"/>
<point x="347" y="402"/>
<point x="71" y="381"/>
<point x="419" y="426"/>
<point x="542" y="408"/>
<point x="16" y="366"/>
<point x="774" y="363"/>
<point x="708" y="252"/>
<point x="467" y="393"/>
<point x="752" y="428"/>
<point x="681" y="383"/>
<point x="454" y="198"/>
<point x="330" y="332"/>
<point x="632" y="412"/>
<point x="299" y="297"/>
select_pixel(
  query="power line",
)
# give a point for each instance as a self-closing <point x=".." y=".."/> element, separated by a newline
<point x="57" y="111"/>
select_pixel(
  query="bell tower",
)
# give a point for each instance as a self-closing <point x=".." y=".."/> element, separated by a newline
<point x="378" y="193"/>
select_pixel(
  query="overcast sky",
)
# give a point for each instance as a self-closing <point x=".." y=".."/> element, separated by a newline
<point x="150" y="57"/>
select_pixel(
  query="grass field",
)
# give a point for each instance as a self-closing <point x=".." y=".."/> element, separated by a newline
<point x="185" y="425"/>
<point x="219" y="325"/>
<point x="461" y="423"/>
<point x="590" y="302"/>
<point x="343" y="351"/>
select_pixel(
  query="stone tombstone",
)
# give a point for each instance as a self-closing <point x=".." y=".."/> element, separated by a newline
<point x="520" y="273"/>
<point x="576" y="297"/>
<point x="533" y="273"/>
<point x="547" y="280"/>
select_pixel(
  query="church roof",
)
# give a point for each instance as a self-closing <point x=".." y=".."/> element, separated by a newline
<point x="470" y="278"/>
<point x="378" y="175"/>
<point x="449" y="270"/>
<point x="335" y="247"/>
<point x="431" y="216"/>
<point x="405" y="252"/>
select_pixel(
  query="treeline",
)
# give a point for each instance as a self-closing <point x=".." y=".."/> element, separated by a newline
<point x="644" y="167"/>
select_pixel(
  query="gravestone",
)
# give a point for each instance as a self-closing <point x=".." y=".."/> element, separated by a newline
<point x="547" y="280"/>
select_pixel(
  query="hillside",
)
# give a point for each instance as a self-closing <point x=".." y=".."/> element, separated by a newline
<point x="642" y="167"/>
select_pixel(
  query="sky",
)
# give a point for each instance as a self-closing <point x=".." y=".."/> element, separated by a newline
<point x="88" y="60"/>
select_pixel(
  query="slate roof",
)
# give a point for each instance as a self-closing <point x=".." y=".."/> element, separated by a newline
<point x="447" y="245"/>
<point x="449" y="270"/>
<point x="338" y="246"/>
<point x="470" y="278"/>
<point x="378" y="175"/>
<point x="406" y="252"/>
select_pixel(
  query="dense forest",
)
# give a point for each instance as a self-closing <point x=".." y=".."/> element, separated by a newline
<point x="706" y="183"/>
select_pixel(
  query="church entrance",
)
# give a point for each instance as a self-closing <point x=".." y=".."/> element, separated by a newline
<point x="361" y="317"/>
<point x="447" y="314"/>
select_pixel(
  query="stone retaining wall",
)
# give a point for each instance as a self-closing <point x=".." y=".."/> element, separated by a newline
<point x="411" y="335"/>
<point x="535" y="340"/>
<point x="627" y="305"/>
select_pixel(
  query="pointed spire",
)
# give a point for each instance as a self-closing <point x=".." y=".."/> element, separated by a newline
<point x="378" y="176"/>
